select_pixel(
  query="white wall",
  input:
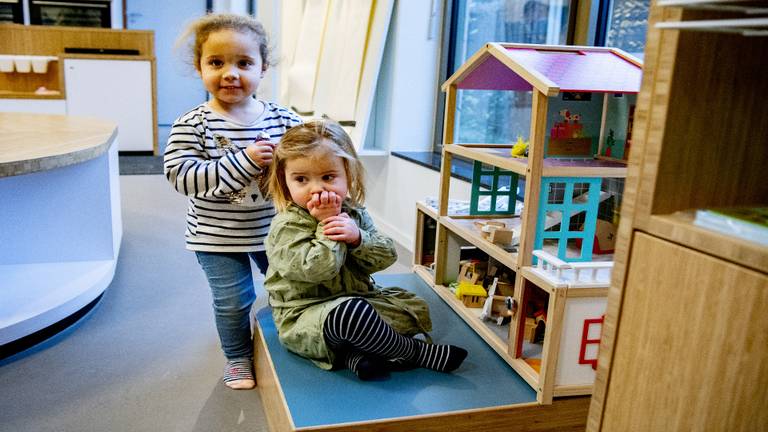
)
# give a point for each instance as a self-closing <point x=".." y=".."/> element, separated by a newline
<point x="405" y="98"/>
<point x="404" y="120"/>
<point x="269" y="13"/>
<point x="116" y="14"/>
<point x="393" y="187"/>
<point x="233" y="6"/>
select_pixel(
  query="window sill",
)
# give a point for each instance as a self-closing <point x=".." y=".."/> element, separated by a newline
<point x="460" y="168"/>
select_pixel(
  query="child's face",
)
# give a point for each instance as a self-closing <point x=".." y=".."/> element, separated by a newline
<point x="319" y="171"/>
<point x="231" y="67"/>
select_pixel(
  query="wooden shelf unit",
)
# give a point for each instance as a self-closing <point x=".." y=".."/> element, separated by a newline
<point x="685" y="336"/>
<point x="534" y="357"/>
<point x="17" y="85"/>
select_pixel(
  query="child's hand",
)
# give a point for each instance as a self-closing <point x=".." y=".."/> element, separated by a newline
<point x="324" y="205"/>
<point x="261" y="152"/>
<point x="342" y="228"/>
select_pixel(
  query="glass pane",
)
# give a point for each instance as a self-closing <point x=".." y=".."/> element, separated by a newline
<point x="492" y="116"/>
<point x="627" y="26"/>
<point x="556" y="193"/>
<point x="496" y="117"/>
<point x="71" y="16"/>
<point x="6" y="13"/>
<point x="529" y="21"/>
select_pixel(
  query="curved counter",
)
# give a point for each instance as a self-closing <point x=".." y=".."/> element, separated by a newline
<point x="60" y="221"/>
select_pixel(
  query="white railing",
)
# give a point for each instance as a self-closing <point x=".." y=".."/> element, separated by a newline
<point x="572" y="273"/>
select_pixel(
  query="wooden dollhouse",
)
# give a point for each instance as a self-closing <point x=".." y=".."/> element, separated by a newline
<point x="582" y="105"/>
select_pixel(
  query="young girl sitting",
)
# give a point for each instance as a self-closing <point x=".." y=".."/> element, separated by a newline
<point x="218" y="154"/>
<point x="322" y="249"/>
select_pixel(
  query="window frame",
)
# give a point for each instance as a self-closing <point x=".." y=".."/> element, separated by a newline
<point x="447" y="56"/>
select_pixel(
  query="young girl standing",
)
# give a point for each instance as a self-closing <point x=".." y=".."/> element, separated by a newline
<point x="322" y="249"/>
<point x="218" y="154"/>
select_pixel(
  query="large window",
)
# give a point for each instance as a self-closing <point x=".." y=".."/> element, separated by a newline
<point x="627" y="25"/>
<point x="493" y="116"/>
<point x="497" y="117"/>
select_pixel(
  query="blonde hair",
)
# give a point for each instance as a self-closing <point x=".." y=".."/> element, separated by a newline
<point x="198" y="31"/>
<point x="300" y="141"/>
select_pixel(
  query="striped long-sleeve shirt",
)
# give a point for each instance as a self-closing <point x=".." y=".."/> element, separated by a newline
<point x="205" y="160"/>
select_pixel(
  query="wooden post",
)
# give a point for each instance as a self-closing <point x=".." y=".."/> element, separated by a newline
<point x="533" y="178"/>
<point x="551" y="348"/>
<point x="601" y="139"/>
<point x="445" y="166"/>
<point x="530" y="207"/>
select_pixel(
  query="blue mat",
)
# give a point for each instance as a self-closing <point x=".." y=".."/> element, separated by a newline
<point x="317" y="397"/>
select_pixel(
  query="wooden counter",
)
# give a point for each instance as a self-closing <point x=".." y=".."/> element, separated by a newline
<point x="61" y="218"/>
<point x="38" y="142"/>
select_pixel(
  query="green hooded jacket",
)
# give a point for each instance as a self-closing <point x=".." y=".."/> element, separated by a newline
<point x="310" y="274"/>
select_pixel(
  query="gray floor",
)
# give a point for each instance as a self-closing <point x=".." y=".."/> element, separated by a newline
<point x="147" y="357"/>
<point x="139" y="165"/>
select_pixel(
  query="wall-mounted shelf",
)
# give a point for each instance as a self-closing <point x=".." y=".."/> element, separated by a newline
<point x="746" y="18"/>
<point x="7" y="94"/>
<point x="742" y="26"/>
<point x="749" y="7"/>
<point x="20" y="81"/>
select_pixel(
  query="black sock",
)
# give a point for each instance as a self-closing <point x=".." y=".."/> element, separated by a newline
<point x="367" y="367"/>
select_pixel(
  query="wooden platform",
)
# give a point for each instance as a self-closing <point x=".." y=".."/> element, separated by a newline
<point x="484" y="394"/>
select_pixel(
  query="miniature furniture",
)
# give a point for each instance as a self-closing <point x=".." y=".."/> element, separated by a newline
<point x="62" y="227"/>
<point x="472" y="296"/>
<point x="579" y="94"/>
<point x="685" y="338"/>
<point x="483" y="394"/>
<point x="99" y="80"/>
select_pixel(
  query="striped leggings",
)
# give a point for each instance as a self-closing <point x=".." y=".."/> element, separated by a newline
<point x="364" y="340"/>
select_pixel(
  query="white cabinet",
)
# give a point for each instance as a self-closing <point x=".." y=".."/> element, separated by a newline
<point x="41" y="106"/>
<point x="117" y="90"/>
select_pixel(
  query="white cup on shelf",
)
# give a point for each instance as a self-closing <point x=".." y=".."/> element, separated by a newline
<point x="40" y="63"/>
<point x="23" y="63"/>
<point x="6" y="63"/>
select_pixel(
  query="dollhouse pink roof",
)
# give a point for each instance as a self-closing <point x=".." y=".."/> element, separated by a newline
<point x="549" y="69"/>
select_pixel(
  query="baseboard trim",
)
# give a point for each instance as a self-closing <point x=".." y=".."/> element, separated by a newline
<point x="404" y="240"/>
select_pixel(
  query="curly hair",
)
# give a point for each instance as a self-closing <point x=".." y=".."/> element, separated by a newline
<point x="198" y="31"/>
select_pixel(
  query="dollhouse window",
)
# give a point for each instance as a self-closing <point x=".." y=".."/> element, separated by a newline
<point x="567" y="218"/>
<point x="494" y="191"/>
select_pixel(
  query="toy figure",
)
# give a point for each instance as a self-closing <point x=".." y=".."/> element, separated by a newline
<point x="520" y="149"/>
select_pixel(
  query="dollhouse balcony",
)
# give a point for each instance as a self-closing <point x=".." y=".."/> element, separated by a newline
<point x="562" y="274"/>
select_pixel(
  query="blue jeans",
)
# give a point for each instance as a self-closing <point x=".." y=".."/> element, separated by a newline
<point x="229" y="276"/>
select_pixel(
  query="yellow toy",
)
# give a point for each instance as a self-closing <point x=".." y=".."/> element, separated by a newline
<point x="520" y="149"/>
<point x="471" y="295"/>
